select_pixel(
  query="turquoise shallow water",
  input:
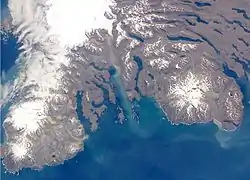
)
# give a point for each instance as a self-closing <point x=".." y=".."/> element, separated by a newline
<point x="174" y="152"/>
<point x="152" y="149"/>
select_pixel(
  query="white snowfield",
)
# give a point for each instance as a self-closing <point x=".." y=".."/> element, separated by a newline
<point x="46" y="29"/>
<point x="190" y="93"/>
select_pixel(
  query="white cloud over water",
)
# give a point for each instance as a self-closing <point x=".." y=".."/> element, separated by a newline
<point x="70" y="20"/>
<point x="46" y="28"/>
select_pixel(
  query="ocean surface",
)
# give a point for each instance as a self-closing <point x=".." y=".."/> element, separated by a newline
<point x="163" y="151"/>
<point x="151" y="150"/>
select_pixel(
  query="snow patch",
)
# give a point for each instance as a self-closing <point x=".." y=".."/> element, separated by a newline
<point x="46" y="30"/>
<point x="69" y="21"/>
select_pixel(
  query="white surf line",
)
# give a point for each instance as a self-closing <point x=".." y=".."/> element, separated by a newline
<point x="47" y="28"/>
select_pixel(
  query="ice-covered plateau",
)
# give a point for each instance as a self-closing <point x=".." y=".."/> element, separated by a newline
<point x="154" y="48"/>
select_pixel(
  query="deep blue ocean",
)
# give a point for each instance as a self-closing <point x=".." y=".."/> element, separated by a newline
<point x="151" y="150"/>
<point x="162" y="151"/>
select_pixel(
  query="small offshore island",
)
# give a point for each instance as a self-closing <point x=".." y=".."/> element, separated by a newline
<point x="157" y="49"/>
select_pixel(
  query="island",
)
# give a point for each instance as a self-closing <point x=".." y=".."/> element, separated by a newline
<point x="159" y="49"/>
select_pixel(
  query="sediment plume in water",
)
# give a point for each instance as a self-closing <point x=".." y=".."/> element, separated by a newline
<point x="187" y="56"/>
